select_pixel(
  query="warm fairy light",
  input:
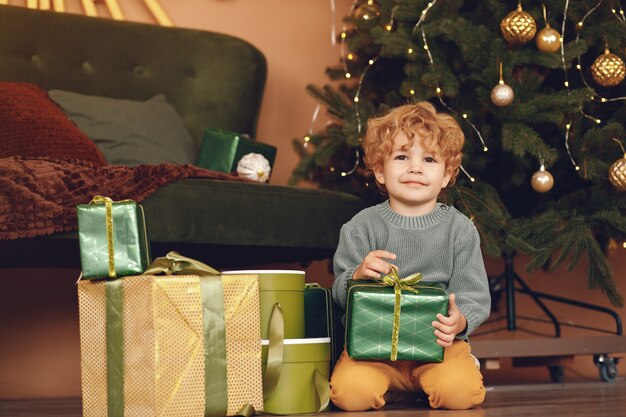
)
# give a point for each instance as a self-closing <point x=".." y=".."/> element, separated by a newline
<point x="343" y="174"/>
<point x="485" y="149"/>
<point x="410" y="50"/>
<point x="438" y="90"/>
<point x="580" y="24"/>
<point x="412" y="92"/>
<point x="426" y="47"/>
<point x="307" y="138"/>
<point x="603" y="100"/>
<point x="624" y="244"/>
<point x="371" y="61"/>
<point x="577" y="168"/>
<point x="598" y="121"/>
<point x="332" y="169"/>
<point x="566" y="84"/>
<point x="348" y="75"/>
<point x="472" y="179"/>
<point x="356" y="99"/>
<point x="464" y="115"/>
<point x="350" y="56"/>
<point x="388" y="27"/>
<point x="578" y="66"/>
<point x="568" y="125"/>
<point x="343" y="35"/>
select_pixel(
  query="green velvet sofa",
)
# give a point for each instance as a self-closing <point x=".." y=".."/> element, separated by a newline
<point x="212" y="80"/>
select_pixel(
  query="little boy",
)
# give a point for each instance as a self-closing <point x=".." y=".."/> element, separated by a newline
<point x="414" y="153"/>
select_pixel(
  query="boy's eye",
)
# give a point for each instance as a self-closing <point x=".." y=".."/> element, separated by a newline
<point x="400" y="157"/>
<point x="430" y="159"/>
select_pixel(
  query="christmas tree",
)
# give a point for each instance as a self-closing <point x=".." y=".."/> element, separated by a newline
<point x="537" y="89"/>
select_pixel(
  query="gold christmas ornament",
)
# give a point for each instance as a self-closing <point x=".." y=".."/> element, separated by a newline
<point x="502" y="94"/>
<point x="617" y="174"/>
<point x="548" y="39"/>
<point x="367" y="11"/>
<point x="608" y="69"/>
<point x="542" y="181"/>
<point x="518" y="27"/>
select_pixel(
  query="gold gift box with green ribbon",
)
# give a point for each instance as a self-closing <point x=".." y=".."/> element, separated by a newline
<point x="392" y="319"/>
<point x="182" y="344"/>
<point x="112" y="238"/>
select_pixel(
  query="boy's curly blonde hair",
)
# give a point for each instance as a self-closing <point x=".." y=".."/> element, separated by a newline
<point x="438" y="133"/>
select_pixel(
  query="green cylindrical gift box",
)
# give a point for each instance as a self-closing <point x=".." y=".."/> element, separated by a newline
<point x="287" y="288"/>
<point x="295" y="392"/>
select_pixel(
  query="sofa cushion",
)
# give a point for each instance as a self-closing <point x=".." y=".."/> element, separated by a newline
<point x="34" y="126"/>
<point x="130" y="132"/>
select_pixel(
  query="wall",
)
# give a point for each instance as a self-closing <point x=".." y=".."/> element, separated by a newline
<point x="39" y="345"/>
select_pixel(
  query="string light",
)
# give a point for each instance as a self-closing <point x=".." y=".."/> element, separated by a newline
<point x="568" y="125"/>
<point x="333" y="29"/>
<point x="307" y="137"/>
<point x="472" y="179"/>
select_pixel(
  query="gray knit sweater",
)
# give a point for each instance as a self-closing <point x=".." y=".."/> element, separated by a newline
<point x="443" y="245"/>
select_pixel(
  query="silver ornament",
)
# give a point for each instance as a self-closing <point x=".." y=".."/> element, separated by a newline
<point x="502" y="95"/>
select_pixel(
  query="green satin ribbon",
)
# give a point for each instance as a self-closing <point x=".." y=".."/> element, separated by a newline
<point x="274" y="351"/>
<point x="114" y="291"/>
<point x="398" y="284"/>
<point x="214" y="326"/>
<point x="322" y="389"/>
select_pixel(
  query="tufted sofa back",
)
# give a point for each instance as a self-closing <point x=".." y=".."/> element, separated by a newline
<point x="212" y="79"/>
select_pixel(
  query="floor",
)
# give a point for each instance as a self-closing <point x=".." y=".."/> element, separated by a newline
<point x="574" y="399"/>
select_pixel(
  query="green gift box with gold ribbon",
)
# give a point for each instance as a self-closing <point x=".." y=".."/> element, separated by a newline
<point x="112" y="238"/>
<point x="182" y="344"/>
<point x="392" y="319"/>
<point x="221" y="150"/>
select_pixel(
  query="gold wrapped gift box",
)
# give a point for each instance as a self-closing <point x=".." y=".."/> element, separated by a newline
<point x="163" y="346"/>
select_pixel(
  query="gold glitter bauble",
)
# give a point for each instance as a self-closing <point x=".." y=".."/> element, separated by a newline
<point x="608" y="69"/>
<point x="617" y="174"/>
<point x="367" y="11"/>
<point x="548" y="39"/>
<point x="518" y="27"/>
<point x="542" y="181"/>
<point x="502" y="95"/>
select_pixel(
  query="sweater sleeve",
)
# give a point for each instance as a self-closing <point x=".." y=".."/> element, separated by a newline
<point x="469" y="280"/>
<point x="349" y="254"/>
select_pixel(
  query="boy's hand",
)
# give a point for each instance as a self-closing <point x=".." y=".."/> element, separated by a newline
<point x="446" y="328"/>
<point x="374" y="265"/>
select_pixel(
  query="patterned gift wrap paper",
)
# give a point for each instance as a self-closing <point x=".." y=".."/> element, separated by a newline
<point x="295" y="392"/>
<point x="287" y="288"/>
<point x="370" y="322"/>
<point x="130" y="242"/>
<point x="163" y="345"/>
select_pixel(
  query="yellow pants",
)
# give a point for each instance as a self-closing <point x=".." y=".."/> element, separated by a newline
<point x="456" y="383"/>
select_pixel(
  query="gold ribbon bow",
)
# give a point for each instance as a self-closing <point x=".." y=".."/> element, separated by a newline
<point x="393" y="280"/>
<point x="108" y="204"/>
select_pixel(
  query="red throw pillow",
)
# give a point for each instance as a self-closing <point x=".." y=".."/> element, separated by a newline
<point x="32" y="125"/>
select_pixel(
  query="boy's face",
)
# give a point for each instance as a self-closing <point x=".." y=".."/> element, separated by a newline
<point x="412" y="176"/>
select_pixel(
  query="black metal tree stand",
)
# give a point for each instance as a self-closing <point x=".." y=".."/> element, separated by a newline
<point x="512" y="283"/>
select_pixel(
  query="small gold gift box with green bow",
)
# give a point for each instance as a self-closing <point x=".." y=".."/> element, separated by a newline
<point x="391" y="319"/>
<point x="112" y="238"/>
